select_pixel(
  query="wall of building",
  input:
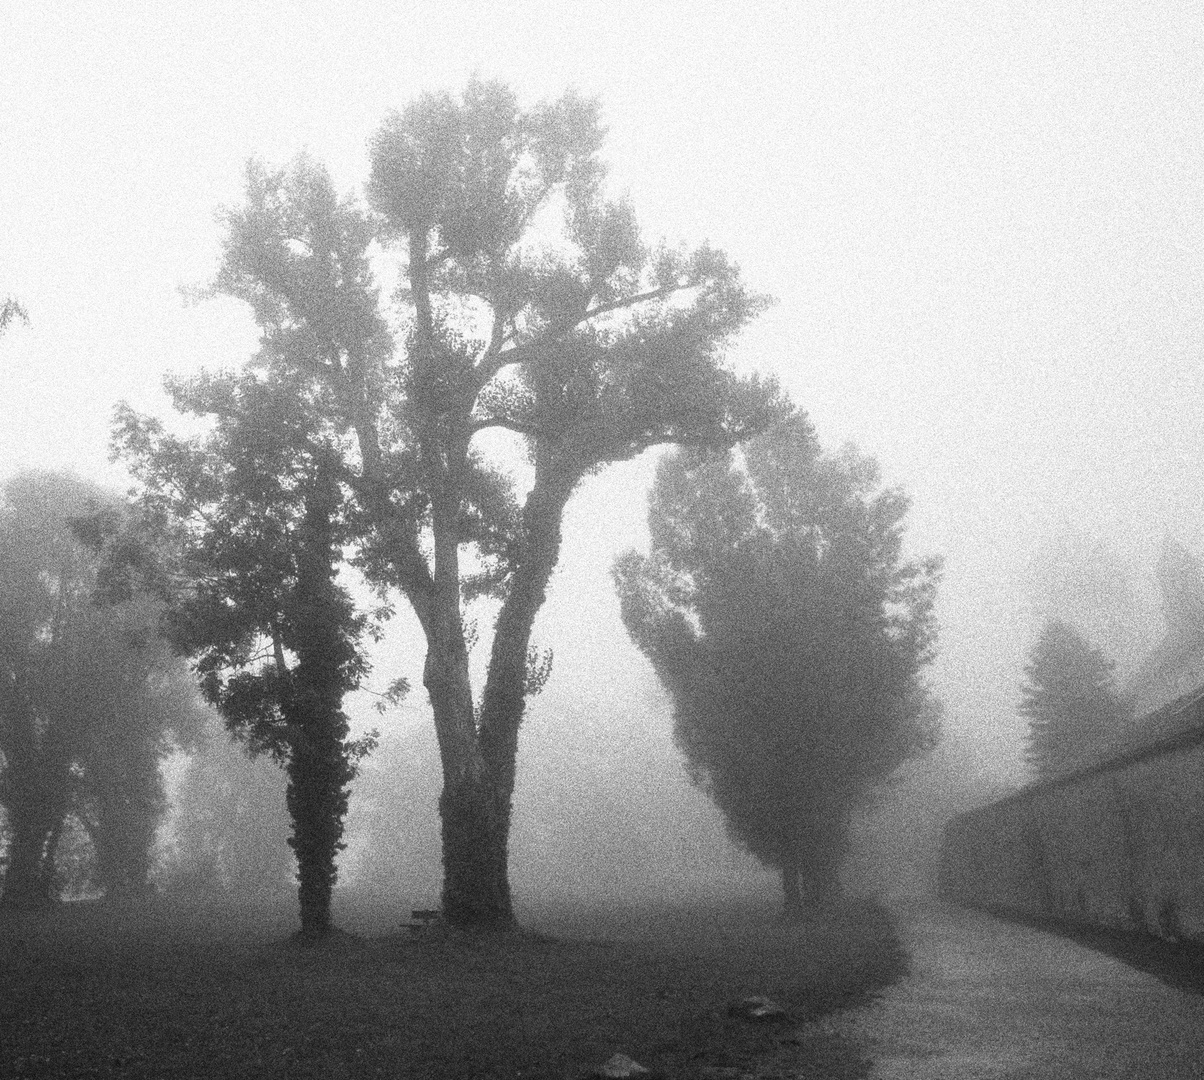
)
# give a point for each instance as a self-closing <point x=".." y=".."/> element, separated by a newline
<point x="1119" y="845"/>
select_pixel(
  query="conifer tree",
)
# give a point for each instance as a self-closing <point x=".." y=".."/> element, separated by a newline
<point x="1070" y="701"/>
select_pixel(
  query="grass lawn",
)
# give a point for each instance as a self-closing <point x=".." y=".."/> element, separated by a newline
<point x="162" y="990"/>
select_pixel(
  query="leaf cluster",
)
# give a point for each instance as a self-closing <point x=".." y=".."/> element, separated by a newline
<point x="227" y="512"/>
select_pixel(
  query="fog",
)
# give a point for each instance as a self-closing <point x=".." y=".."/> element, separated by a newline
<point x="982" y="224"/>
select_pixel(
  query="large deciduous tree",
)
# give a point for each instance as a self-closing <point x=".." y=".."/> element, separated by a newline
<point x="1070" y="701"/>
<point x="777" y="609"/>
<point x="90" y="698"/>
<point x="150" y="707"/>
<point x="257" y="516"/>
<point x="527" y="304"/>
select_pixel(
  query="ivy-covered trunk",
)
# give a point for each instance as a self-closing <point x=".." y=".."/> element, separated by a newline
<point x="319" y="768"/>
<point x="317" y="802"/>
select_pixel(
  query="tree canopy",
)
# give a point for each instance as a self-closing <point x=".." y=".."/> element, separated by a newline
<point x="777" y="609"/>
<point x="1070" y="701"/>
<point x="527" y="304"/>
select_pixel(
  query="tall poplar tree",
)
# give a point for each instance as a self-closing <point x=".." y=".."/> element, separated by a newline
<point x="776" y="608"/>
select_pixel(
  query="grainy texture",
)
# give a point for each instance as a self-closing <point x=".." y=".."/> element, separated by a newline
<point x="1119" y="846"/>
<point x="162" y="991"/>
<point x="989" y="1000"/>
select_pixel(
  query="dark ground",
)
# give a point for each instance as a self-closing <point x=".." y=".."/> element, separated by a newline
<point x="165" y="990"/>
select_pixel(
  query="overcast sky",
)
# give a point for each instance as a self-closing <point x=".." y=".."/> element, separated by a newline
<point x="982" y="222"/>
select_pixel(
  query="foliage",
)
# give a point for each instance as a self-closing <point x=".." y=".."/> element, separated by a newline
<point x="777" y="610"/>
<point x="90" y="698"/>
<point x="257" y="518"/>
<point x="228" y="826"/>
<point x="1070" y="701"/>
<point x="587" y="348"/>
<point x="11" y="309"/>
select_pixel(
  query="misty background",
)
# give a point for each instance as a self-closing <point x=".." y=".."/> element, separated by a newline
<point x="982" y="224"/>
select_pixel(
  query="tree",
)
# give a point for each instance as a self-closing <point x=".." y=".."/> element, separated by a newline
<point x="120" y="798"/>
<point x="256" y="512"/>
<point x="1070" y="701"/>
<point x="586" y="351"/>
<point x="229" y="826"/>
<point x="778" y="612"/>
<point x="11" y="309"/>
<point x="88" y="695"/>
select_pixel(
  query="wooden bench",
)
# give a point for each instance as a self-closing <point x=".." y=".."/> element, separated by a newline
<point x="422" y="918"/>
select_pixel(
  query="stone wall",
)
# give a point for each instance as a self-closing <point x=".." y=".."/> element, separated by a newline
<point x="1119" y="845"/>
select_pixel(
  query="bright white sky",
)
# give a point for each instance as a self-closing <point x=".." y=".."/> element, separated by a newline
<point x="982" y="222"/>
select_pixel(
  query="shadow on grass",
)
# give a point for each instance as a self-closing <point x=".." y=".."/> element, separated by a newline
<point x="165" y="990"/>
<point x="1177" y="963"/>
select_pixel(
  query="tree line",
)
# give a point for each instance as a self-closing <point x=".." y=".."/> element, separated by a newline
<point x="776" y="605"/>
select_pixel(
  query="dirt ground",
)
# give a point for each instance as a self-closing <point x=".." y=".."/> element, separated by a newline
<point x="164" y="990"/>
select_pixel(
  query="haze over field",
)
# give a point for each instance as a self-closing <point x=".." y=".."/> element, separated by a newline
<point x="982" y="223"/>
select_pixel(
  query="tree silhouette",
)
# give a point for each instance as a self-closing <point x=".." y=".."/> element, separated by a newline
<point x="11" y="309"/>
<point x="256" y="516"/>
<point x="1070" y="701"/>
<point x="586" y="350"/>
<point x="777" y="611"/>
<point x="90" y="697"/>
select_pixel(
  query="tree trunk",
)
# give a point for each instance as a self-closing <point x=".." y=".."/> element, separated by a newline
<point x="27" y="883"/>
<point x="476" y="834"/>
<point x="317" y="802"/>
<point x="478" y="781"/>
<point x="319" y="770"/>
<point x="38" y="781"/>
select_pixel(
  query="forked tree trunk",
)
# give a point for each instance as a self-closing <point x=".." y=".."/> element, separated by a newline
<point x="479" y="758"/>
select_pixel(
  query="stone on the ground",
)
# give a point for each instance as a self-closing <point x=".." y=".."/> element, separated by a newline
<point x="759" y="1010"/>
<point x="621" y="1067"/>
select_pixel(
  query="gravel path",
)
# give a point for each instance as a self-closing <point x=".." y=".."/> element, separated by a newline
<point x="989" y="999"/>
